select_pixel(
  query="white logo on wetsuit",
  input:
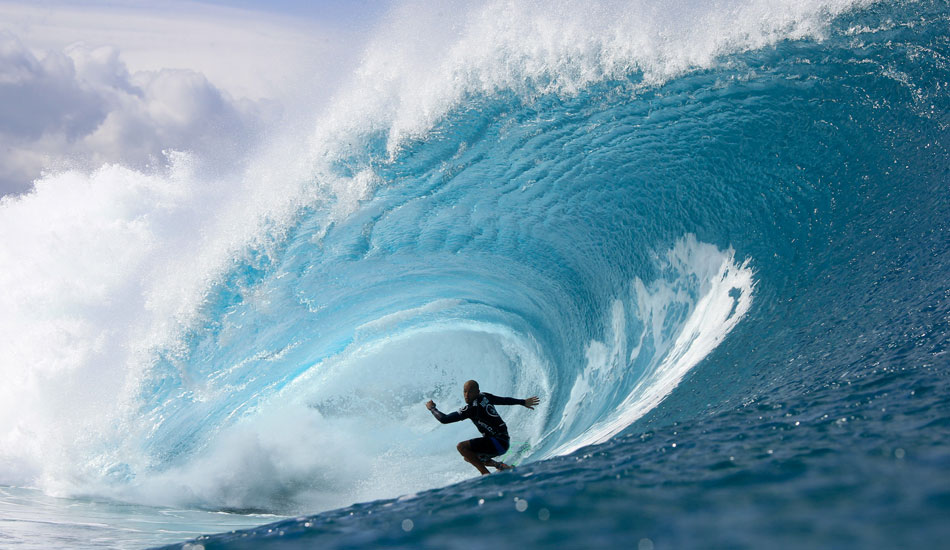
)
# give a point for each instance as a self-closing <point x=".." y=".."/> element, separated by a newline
<point x="489" y="408"/>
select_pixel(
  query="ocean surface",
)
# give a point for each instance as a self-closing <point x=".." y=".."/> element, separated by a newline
<point x="713" y="237"/>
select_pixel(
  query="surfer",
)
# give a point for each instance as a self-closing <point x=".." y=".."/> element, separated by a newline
<point x="479" y="407"/>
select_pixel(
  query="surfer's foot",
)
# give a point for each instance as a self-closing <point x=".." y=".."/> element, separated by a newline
<point x="501" y="466"/>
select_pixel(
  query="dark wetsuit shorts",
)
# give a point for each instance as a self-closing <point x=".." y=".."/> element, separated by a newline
<point x="488" y="447"/>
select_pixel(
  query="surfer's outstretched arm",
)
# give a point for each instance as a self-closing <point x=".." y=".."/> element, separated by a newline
<point x="442" y="417"/>
<point x="530" y="402"/>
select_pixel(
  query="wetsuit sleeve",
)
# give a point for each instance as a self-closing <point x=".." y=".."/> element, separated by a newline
<point x="447" y="418"/>
<point x="495" y="400"/>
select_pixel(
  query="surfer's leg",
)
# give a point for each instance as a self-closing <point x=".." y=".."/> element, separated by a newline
<point x="465" y="449"/>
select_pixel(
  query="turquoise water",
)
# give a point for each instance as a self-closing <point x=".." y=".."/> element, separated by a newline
<point x="722" y="264"/>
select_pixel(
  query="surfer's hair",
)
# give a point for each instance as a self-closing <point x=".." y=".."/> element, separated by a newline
<point x="472" y="383"/>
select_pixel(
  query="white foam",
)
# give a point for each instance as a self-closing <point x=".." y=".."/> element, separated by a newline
<point x="684" y="319"/>
<point x="101" y="271"/>
<point x="430" y="58"/>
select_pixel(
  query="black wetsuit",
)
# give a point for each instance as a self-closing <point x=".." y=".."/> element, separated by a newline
<point x="487" y="420"/>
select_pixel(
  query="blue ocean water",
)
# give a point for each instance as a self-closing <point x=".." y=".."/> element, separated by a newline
<point x="724" y="272"/>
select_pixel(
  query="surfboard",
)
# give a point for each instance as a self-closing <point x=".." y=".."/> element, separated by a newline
<point x="516" y="450"/>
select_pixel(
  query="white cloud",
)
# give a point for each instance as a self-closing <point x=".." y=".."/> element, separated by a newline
<point x="121" y="83"/>
<point x="81" y="107"/>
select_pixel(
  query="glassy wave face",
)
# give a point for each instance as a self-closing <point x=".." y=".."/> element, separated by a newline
<point x="713" y="240"/>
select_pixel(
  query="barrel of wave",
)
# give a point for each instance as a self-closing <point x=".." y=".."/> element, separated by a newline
<point x="354" y="427"/>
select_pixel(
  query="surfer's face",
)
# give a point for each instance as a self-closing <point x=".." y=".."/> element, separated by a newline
<point x="470" y="392"/>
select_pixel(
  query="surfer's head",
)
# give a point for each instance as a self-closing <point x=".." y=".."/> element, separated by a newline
<point x="470" y="391"/>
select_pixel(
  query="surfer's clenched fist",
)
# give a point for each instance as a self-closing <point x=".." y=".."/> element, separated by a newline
<point x="430" y="404"/>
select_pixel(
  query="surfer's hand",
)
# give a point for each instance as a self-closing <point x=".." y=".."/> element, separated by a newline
<point x="430" y="405"/>
<point x="531" y="402"/>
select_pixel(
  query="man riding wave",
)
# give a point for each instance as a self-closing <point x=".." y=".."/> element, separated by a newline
<point x="479" y="407"/>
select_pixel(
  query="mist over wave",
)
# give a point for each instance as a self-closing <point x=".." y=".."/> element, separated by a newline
<point x="579" y="202"/>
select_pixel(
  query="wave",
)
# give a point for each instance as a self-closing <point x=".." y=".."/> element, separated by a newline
<point x="542" y="197"/>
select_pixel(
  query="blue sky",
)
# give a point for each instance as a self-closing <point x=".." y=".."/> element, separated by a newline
<point x="207" y="36"/>
<point x="336" y="11"/>
<point x="344" y="12"/>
